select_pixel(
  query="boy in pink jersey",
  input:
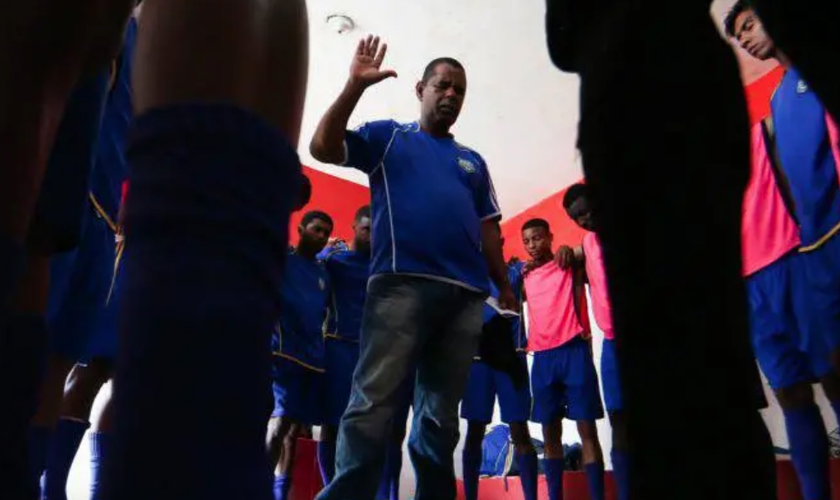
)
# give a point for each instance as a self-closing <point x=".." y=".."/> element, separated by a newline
<point x="589" y="257"/>
<point x="563" y="378"/>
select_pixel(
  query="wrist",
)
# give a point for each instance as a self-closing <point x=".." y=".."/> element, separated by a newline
<point x="355" y="87"/>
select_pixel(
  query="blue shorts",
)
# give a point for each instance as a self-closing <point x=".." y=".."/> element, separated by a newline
<point x="610" y="381"/>
<point x="484" y="385"/>
<point x="79" y="284"/>
<point x="298" y="392"/>
<point x="785" y="354"/>
<point x="57" y="219"/>
<point x="565" y="384"/>
<point x="820" y="297"/>
<point x="341" y="359"/>
<point x="105" y="340"/>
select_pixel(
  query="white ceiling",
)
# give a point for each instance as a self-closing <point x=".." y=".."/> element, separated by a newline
<point x="520" y="113"/>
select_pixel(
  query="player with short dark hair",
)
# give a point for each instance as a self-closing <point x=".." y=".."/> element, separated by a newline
<point x="349" y="272"/>
<point x="436" y="235"/>
<point x="564" y="382"/>
<point x="298" y="348"/>
<point x="794" y="299"/>
<point x="590" y="256"/>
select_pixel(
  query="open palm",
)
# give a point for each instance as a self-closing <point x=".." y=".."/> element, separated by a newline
<point x="367" y="62"/>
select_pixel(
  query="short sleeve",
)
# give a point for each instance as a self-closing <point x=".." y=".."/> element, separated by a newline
<point x="486" y="203"/>
<point x="365" y="147"/>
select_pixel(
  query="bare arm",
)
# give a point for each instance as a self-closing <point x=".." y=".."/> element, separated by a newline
<point x="327" y="144"/>
<point x="491" y="246"/>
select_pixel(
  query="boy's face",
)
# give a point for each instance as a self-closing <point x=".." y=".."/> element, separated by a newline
<point x="581" y="213"/>
<point x="537" y="242"/>
<point x="751" y="36"/>
<point x="315" y="234"/>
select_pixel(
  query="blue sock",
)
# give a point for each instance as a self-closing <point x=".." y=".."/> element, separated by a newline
<point x="554" y="477"/>
<point x="326" y="461"/>
<point x="39" y="444"/>
<point x="620" y="473"/>
<point x="100" y="444"/>
<point x="471" y="460"/>
<point x="22" y="358"/>
<point x="65" y="443"/>
<point x="809" y="451"/>
<point x="282" y="486"/>
<point x="595" y="479"/>
<point x="212" y="187"/>
<point x="528" y="471"/>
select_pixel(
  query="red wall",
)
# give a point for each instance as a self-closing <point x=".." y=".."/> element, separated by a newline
<point x="337" y="197"/>
<point x="566" y="231"/>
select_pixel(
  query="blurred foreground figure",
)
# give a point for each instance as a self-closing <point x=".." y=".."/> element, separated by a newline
<point x="665" y="145"/>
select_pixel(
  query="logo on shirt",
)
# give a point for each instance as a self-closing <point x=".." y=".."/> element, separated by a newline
<point x="801" y="87"/>
<point x="321" y="284"/>
<point x="466" y="165"/>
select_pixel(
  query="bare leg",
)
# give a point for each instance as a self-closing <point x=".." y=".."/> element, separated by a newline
<point x="202" y="73"/>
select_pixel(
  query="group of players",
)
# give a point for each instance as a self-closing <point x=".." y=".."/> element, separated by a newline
<point x="791" y="265"/>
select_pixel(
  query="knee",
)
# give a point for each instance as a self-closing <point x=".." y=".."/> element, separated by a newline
<point x="588" y="432"/>
<point x="521" y="438"/>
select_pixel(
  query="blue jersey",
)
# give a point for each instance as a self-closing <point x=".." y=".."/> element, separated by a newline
<point x="429" y="196"/>
<point x="304" y="297"/>
<point x="349" y="272"/>
<point x="805" y="157"/>
<point x="515" y="278"/>
<point x="111" y="167"/>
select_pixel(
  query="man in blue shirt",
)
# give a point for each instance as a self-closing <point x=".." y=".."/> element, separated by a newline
<point x="298" y="348"/>
<point x="435" y="237"/>
<point x="484" y="385"/>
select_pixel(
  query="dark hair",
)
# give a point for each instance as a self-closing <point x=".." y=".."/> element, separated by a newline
<point x="310" y="216"/>
<point x="362" y="212"/>
<point x="536" y="223"/>
<point x="739" y="8"/>
<point x="432" y="66"/>
<point x="304" y="193"/>
<point x="575" y="192"/>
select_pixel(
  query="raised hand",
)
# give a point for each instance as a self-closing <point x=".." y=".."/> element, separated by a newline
<point x="367" y="61"/>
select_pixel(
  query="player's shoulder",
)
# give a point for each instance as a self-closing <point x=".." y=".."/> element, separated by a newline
<point x="337" y="255"/>
<point x="380" y="126"/>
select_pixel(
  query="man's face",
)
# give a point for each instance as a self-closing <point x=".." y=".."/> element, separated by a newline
<point x="361" y="233"/>
<point x="581" y="213"/>
<point x="751" y="36"/>
<point x="442" y="95"/>
<point x="537" y="242"/>
<point x="315" y="235"/>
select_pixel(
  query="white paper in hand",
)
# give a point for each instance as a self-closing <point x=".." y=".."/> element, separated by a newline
<point x="505" y="313"/>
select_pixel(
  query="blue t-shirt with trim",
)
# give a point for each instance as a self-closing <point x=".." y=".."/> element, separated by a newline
<point x="429" y="196"/>
<point x="805" y="157"/>
<point x="349" y="272"/>
<point x="304" y="298"/>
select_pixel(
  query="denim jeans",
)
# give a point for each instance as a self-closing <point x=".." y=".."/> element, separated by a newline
<point x="410" y="323"/>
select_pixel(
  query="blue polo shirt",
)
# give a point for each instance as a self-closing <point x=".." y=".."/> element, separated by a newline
<point x="304" y="298"/>
<point x="806" y="157"/>
<point x="349" y="272"/>
<point x="515" y="278"/>
<point x="429" y="196"/>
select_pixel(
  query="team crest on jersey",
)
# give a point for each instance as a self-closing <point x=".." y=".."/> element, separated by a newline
<point x="801" y="87"/>
<point x="321" y="284"/>
<point x="466" y="165"/>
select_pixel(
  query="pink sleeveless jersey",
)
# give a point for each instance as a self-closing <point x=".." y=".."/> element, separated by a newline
<point x="768" y="231"/>
<point x="598" y="284"/>
<point x="552" y="319"/>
